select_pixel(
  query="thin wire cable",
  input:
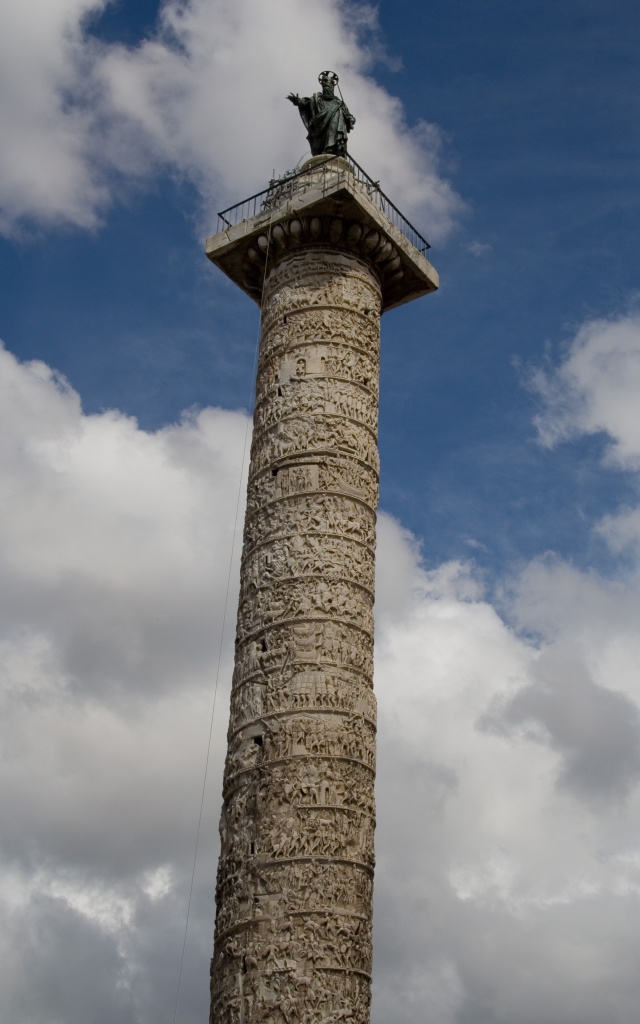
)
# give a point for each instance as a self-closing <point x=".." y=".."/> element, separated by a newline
<point x="224" y="622"/>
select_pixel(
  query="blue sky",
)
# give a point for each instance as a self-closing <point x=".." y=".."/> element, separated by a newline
<point x="510" y="450"/>
<point x="533" y="103"/>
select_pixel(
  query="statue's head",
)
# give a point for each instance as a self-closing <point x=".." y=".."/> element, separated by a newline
<point x="328" y="80"/>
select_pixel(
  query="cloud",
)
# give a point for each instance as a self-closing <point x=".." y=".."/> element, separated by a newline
<point x="596" y="730"/>
<point x="50" y="934"/>
<point x="115" y="556"/>
<point x="46" y="164"/>
<point x="508" y="802"/>
<point x="595" y="389"/>
<point x="479" y="248"/>
<point x="104" y="506"/>
<point x="203" y="98"/>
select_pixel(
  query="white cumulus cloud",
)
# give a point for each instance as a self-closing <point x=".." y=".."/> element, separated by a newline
<point x="46" y="163"/>
<point x="595" y="389"/>
<point x="203" y="98"/>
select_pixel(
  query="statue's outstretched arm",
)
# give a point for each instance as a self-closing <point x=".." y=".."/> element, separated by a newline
<point x="303" y="103"/>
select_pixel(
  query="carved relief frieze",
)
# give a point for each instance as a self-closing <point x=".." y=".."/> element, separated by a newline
<point x="311" y="514"/>
<point x="302" y="434"/>
<point x="337" y="474"/>
<point x="314" y="598"/>
<point x="318" y="398"/>
<point x="300" y="686"/>
<point x="304" y="361"/>
<point x="311" y="688"/>
<point x="261" y="491"/>
<point x="349" y="477"/>
<point x="316" y="830"/>
<point x="294" y="885"/>
<point x="281" y="655"/>
<point x="286" y="991"/>
<point x="296" y="478"/>
<point x="347" y="333"/>
<point x="315" y="781"/>
<point x="326" y="732"/>
<point x="317" y="885"/>
<point x="324" y="940"/>
<point x="350" y="736"/>
<point x="321" y="278"/>
<point x="347" y="327"/>
<point x="287" y="558"/>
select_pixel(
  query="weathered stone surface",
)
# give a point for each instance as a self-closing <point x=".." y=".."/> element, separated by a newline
<point x="293" y="927"/>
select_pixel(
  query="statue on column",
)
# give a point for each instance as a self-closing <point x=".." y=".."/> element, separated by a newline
<point x="325" y="116"/>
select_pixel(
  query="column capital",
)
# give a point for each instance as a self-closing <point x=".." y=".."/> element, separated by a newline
<point x="330" y="203"/>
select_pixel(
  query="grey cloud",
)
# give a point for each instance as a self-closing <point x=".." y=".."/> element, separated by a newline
<point x="62" y="968"/>
<point x="596" y="731"/>
<point x="441" y="959"/>
<point x="121" y="566"/>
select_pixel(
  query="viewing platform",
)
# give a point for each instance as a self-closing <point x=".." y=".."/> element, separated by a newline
<point x="329" y="201"/>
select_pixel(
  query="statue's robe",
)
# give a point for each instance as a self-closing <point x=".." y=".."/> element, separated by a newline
<point x="327" y="122"/>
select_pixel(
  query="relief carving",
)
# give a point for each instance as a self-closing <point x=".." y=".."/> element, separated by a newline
<point x="287" y="558"/>
<point x="312" y="514"/>
<point x="317" y="397"/>
<point x="300" y="360"/>
<point x="323" y="734"/>
<point x="302" y="434"/>
<point x="310" y="782"/>
<point x="296" y="479"/>
<point x="313" y="598"/>
<point x="294" y="884"/>
<point x="310" y="279"/>
<point x="304" y="325"/>
<point x="282" y="651"/>
<point x="336" y="473"/>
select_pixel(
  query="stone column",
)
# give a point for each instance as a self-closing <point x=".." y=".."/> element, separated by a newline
<point x="295" y="876"/>
<point x="294" y="888"/>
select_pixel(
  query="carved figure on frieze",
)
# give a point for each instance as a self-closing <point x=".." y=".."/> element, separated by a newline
<point x="350" y="478"/>
<point x="341" y="600"/>
<point x="354" y="289"/>
<point x="303" y="555"/>
<point x="316" y="398"/>
<point x="334" y="346"/>
<point x="261" y="493"/>
<point x="295" y="479"/>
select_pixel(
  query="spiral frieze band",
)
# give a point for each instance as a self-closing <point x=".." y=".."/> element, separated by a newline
<point x="294" y="891"/>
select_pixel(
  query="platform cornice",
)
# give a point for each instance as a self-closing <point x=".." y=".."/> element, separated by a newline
<point x="326" y="207"/>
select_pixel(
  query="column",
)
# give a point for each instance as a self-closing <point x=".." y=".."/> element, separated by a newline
<point x="294" y="888"/>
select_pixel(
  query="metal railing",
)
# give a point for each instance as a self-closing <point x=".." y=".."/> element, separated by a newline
<point x="326" y="177"/>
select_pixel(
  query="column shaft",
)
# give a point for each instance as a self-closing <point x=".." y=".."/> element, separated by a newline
<point x="294" y="891"/>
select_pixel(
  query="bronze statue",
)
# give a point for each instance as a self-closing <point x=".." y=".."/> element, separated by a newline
<point x="325" y="117"/>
